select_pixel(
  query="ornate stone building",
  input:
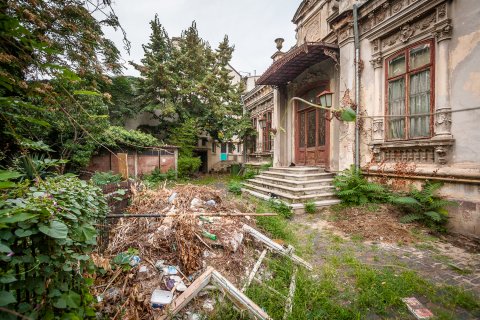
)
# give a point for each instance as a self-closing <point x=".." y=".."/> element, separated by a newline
<point x="259" y="104"/>
<point x="416" y="82"/>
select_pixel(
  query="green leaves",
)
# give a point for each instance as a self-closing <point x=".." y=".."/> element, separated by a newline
<point x="55" y="229"/>
<point x="348" y="115"/>
<point x="68" y="300"/>
<point x="6" y="298"/>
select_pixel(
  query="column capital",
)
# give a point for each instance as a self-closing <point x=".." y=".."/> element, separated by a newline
<point x="443" y="30"/>
<point x="377" y="62"/>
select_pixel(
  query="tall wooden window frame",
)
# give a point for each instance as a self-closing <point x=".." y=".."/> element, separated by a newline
<point x="406" y="76"/>
<point x="267" y="129"/>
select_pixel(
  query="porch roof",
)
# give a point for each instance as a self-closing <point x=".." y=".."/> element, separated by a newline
<point x="295" y="61"/>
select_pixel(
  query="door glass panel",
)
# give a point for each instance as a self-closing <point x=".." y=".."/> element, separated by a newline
<point x="311" y="126"/>
<point x="321" y="127"/>
<point x="396" y="66"/>
<point x="301" y="130"/>
<point x="419" y="56"/>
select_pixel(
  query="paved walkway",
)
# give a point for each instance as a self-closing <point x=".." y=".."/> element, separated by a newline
<point x="437" y="261"/>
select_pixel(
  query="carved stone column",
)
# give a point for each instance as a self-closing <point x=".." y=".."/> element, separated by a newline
<point x="377" y="124"/>
<point x="443" y="34"/>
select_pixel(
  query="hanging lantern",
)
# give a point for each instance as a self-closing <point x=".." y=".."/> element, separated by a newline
<point x="325" y="98"/>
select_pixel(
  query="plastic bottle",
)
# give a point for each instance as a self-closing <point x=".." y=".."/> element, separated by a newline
<point x="209" y="235"/>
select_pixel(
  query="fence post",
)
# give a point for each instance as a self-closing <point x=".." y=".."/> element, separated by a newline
<point x="175" y="152"/>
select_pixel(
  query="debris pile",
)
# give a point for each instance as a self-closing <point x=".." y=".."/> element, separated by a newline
<point x="150" y="261"/>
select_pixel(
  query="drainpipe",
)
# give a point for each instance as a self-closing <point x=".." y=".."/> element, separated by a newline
<point x="357" y="85"/>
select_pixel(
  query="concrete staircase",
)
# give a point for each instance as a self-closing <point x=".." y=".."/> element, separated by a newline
<point x="295" y="186"/>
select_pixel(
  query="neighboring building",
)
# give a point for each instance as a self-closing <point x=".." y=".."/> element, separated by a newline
<point x="259" y="104"/>
<point x="417" y="70"/>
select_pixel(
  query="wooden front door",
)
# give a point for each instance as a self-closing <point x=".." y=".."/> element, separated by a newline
<point x="312" y="128"/>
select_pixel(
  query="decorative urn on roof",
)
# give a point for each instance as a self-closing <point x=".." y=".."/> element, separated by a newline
<point x="277" y="55"/>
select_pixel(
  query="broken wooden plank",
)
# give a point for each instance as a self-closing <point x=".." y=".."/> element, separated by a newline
<point x="254" y="270"/>
<point x="417" y="308"/>
<point x="238" y="298"/>
<point x="276" y="247"/>
<point x="189" y="294"/>
<point x="291" y="293"/>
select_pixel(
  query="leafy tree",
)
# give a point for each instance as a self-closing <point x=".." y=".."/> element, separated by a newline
<point x="53" y="59"/>
<point x="184" y="78"/>
<point x="122" y="94"/>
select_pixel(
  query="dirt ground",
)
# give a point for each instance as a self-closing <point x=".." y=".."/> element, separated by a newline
<point x="375" y="235"/>
<point x="375" y="223"/>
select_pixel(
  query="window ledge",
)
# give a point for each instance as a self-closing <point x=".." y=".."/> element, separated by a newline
<point x="435" y="150"/>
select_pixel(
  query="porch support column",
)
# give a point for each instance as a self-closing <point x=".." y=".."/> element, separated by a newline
<point x="443" y="34"/>
<point x="347" y="90"/>
<point x="280" y="116"/>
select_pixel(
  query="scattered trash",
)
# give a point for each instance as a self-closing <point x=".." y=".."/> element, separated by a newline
<point x="112" y="294"/>
<point x="206" y="219"/>
<point x="236" y="241"/>
<point x="161" y="298"/>
<point x="211" y="203"/>
<point x="193" y="316"/>
<point x="160" y="264"/>
<point x="209" y="235"/>
<point x="208" y="305"/>
<point x="172" y="197"/>
<point x="196" y="203"/>
<point x="169" y="270"/>
<point x="175" y="253"/>
<point x="134" y="260"/>
<point x="417" y="308"/>
<point x="179" y="284"/>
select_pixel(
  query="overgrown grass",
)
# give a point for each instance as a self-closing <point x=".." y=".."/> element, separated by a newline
<point x="342" y="287"/>
<point x="310" y="207"/>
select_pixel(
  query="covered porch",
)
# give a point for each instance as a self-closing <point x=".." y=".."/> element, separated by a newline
<point x="305" y="136"/>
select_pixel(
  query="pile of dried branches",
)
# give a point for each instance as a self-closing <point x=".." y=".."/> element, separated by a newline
<point x="177" y="239"/>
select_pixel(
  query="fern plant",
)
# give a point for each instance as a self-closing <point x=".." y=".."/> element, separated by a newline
<point x="353" y="189"/>
<point x="425" y="205"/>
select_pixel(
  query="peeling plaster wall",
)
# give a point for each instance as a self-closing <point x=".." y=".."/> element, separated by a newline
<point x="465" y="80"/>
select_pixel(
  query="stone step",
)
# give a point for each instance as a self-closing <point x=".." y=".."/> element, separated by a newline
<point x="297" y="170"/>
<point x="298" y="191"/>
<point x="294" y="182"/>
<point x="291" y="197"/>
<point x="298" y="177"/>
<point x="299" y="208"/>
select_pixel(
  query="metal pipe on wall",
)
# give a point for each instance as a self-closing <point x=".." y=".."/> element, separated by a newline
<point x="357" y="84"/>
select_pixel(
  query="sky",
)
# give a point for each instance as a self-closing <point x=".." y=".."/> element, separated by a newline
<point x="251" y="25"/>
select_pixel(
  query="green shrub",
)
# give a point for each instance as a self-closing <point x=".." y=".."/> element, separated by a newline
<point x="353" y="189"/>
<point x="102" y="178"/>
<point x="47" y="233"/>
<point x="156" y="176"/>
<point x="249" y="174"/>
<point x="235" y="187"/>
<point x="310" y="207"/>
<point x="265" y="166"/>
<point x="281" y="208"/>
<point x="425" y="205"/>
<point x="187" y="166"/>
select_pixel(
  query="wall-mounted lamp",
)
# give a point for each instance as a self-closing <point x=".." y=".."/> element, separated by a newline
<point x="325" y="98"/>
